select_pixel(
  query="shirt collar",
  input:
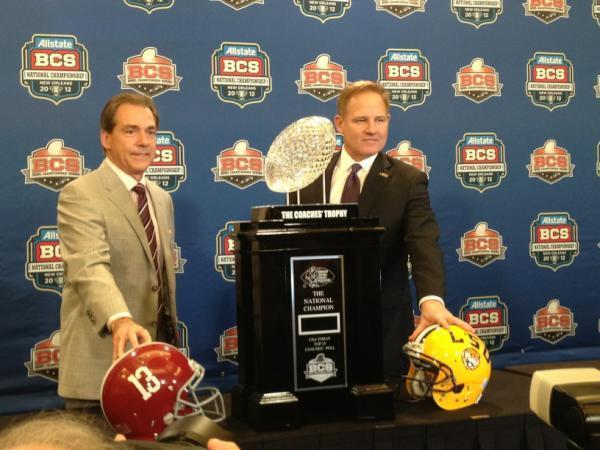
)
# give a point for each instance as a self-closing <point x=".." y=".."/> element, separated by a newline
<point x="127" y="180"/>
<point x="346" y="161"/>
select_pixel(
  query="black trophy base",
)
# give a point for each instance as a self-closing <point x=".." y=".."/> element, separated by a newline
<point x="273" y="411"/>
<point x="373" y="402"/>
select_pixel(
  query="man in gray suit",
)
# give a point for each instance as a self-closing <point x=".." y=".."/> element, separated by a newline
<point x="397" y="194"/>
<point x="119" y="285"/>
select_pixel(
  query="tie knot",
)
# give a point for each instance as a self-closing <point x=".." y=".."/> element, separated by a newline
<point x="139" y="189"/>
<point x="355" y="168"/>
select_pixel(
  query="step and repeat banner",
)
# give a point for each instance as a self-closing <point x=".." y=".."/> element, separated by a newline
<point x="498" y="101"/>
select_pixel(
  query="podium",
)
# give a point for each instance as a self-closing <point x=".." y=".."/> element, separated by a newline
<point x="309" y="317"/>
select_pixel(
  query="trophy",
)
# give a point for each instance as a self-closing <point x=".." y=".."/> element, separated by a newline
<point x="299" y="155"/>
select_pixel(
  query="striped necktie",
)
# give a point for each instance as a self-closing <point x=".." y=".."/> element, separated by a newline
<point x="144" y="212"/>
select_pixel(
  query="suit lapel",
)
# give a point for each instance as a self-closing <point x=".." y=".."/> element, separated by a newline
<point x="329" y="174"/>
<point x="121" y="198"/>
<point x="379" y="176"/>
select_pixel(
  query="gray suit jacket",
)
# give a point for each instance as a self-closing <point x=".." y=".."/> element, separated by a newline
<point x="108" y="270"/>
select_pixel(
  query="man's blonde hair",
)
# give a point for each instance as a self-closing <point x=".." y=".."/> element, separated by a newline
<point x="358" y="87"/>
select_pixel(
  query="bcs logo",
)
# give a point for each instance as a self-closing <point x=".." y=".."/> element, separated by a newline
<point x="44" y="358"/>
<point x="241" y="73"/>
<point x="481" y="246"/>
<point x="405" y="152"/>
<point x="55" y="67"/>
<point x="225" y="248"/>
<point x="480" y="161"/>
<point x="240" y="166"/>
<point x="54" y="166"/>
<point x="322" y="78"/>
<point x="149" y="73"/>
<point x="182" y="338"/>
<point x="475" y="12"/>
<point x="228" y="346"/>
<point x="178" y="261"/>
<point x="150" y="5"/>
<point x="489" y="317"/>
<point x="553" y="323"/>
<point x="44" y="266"/>
<point x="554" y="243"/>
<point x="547" y="10"/>
<point x="239" y="4"/>
<point x="168" y="168"/>
<point x="596" y="10"/>
<point x="550" y="80"/>
<point x="400" y="8"/>
<point x="550" y="163"/>
<point x="323" y="10"/>
<point x="477" y="82"/>
<point x="404" y="73"/>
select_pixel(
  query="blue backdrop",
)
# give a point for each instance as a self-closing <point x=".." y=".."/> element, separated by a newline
<point x="497" y="100"/>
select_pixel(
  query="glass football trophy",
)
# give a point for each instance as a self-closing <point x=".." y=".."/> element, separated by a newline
<point x="299" y="154"/>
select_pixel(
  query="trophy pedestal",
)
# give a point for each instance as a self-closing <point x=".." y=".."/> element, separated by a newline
<point x="309" y="317"/>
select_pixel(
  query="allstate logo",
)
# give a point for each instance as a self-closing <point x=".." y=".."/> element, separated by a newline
<point x="547" y="10"/>
<point x="323" y="10"/>
<point x="480" y="161"/>
<point x="322" y="78"/>
<point x="481" y="246"/>
<point x="554" y="241"/>
<point x="550" y="80"/>
<point x="477" y="82"/>
<point x="400" y="8"/>
<point x="168" y="168"/>
<point x="228" y="346"/>
<point x="44" y="266"/>
<point x="404" y="73"/>
<point x="55" y="67"/>
<point x="476" y="12"/>
<point x="240" y="166"/>
<point x="488" y="315"/>
<point x="553" y="322"/>
<point x="149" y="73"/>
<point x="54" y="166"/>
<point x="241" y="73"/>
<point x="550" y="163"/>
<point x="225" y="252"/>
<point x="45" y="356"/>
<point x="150" y="5"/>
<point x="406" y="153"/>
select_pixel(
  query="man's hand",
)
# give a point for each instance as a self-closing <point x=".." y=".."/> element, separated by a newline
<point x="433" y="312"/>
<point x="126" y="330"/>
<point x="217" y="444"/>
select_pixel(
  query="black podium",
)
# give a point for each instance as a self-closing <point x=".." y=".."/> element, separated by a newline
<point x="309" y="317"/>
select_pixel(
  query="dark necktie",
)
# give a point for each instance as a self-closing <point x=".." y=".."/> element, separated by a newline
<point x="144" y="212"/>
<point x="351" y="191"/>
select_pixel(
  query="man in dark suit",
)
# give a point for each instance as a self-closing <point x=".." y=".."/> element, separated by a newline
<point x="119" y="275"/>
<point x="397" y="194"/>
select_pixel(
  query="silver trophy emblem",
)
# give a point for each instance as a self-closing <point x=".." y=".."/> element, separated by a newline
<point x="299" y="154"/>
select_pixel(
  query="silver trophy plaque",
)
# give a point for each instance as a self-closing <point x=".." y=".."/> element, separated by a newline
<point x="299" y="154"/>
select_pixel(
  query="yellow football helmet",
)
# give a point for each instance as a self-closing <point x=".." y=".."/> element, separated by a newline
<point x="450" y="365"/>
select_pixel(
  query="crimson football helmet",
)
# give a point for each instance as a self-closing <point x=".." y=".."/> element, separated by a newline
<point x="152" y="385"/>
<point x="448" y="364"/>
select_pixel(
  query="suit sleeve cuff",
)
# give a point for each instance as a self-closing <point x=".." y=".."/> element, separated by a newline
<point x="116" y="316"/>
<point x="431" y="297"/>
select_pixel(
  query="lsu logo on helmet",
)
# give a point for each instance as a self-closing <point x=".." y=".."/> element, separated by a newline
<point x="240" y="166"/>
<point x="241" y="73"/>
<point x="400" y="8"/>
<point x="54" y="166"/>
<point x="480" y="161"/>
<point x="475" y="12"/>
<point x="547" y="11"/>
<point x="481" y="246"/>
<point x="553" y="322"/>
<point x="550" y="80"/>
<point x="168" y="168"/>
<point x="405" y="152"/>
<point x="323" y="10"/>
<point x="554" y="241"/>
<point x="150" y="5"/>
<point x="404" y="73"/>
<point x="488" y="315"/>
<point x="550" y="163"/>
<point x="149" y="73"/>
<point x="55" y="67"/>
<point x="45" y="267"/>
<point x="322" y="78"/>
<point x="477" y="82"/>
